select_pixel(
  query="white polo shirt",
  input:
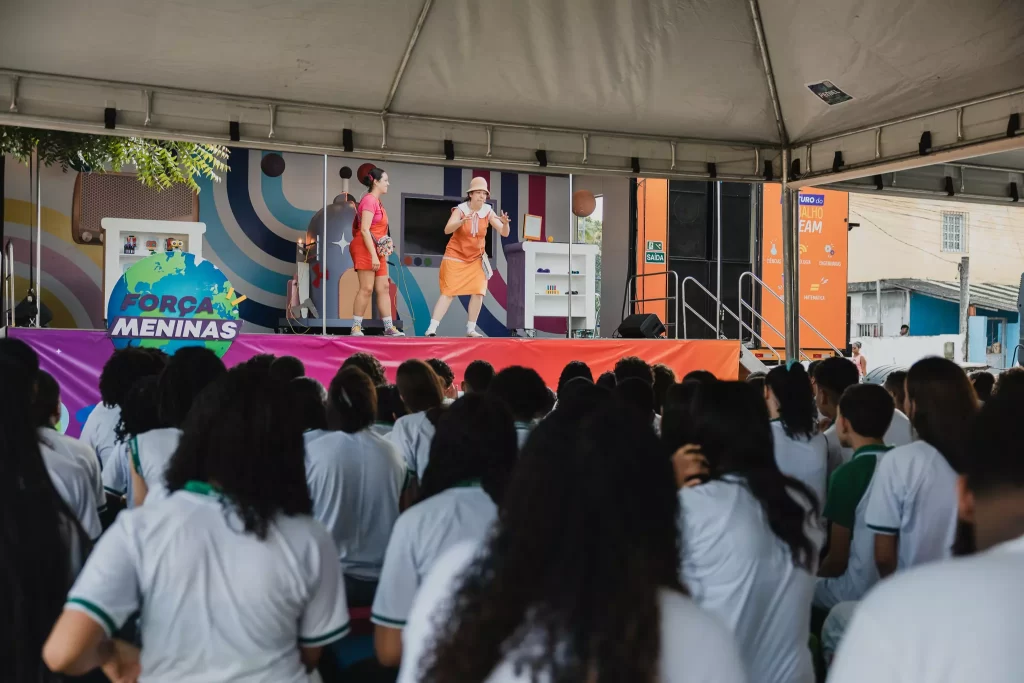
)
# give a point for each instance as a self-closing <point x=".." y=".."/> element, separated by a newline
<point x="356" y="481"/>
<point x="311" y="435"/>
<point x="76" y="486"/>
<point x="421" y="534"/>
<point x="696" y="647"/>
<point x="900" y="433"/>
<point x="803" y="459"/>
<point x="738" y="569"/>
<point x="523" y="431"/>
<point x="151" y="453"/>
<point x="217" y="604"/>
<point x="948" y="622"/>
<point x="412" y="435"/>
<point x="913" y="494"/>
<point x="99" y="430"/>
<point x="76" y="451"/>
<point x="382" y="428"/>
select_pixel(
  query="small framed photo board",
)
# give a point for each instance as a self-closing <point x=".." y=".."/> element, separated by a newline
<point x="532" y="227"/>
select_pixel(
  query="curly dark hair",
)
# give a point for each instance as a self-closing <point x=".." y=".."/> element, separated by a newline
<point x="189" y="370"/>
<point x="732" y="428"/>
<point x="586" y="538"/>
<point x="244" y="435"/>
<point x="123" y="369"/>
<point x="443" y="370"/>
<point x="1011" y="380"/>
<point x="351" y="401"/>
<point x="664" y="378"/>
<point x="634" y="366"/>
<point x="311" y="401"/>
<point x="368" y="363"/>
<point x="140" y="412"/>
<point x="287" y="368"/>
<point x="475" y="439"/>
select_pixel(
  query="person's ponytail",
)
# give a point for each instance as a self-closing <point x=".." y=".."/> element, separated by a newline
<point x="792" y="389"/>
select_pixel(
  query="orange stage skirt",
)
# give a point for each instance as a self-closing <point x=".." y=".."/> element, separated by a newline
<point x="458" y="278"/>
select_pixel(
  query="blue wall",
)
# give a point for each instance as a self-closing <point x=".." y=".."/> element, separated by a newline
<point x="930" y="316"/>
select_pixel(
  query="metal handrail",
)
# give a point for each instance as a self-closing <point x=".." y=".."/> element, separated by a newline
<point x="682" y="298"/>
<point x="7" y="282"/>
<point x="767" y="288"/>
<point x="627" y="301"/>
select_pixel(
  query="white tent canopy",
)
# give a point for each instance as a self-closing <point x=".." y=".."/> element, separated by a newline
<point x="598" y="85"/>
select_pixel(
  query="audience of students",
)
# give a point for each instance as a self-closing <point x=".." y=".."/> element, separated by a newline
<point x="543" y="542"/>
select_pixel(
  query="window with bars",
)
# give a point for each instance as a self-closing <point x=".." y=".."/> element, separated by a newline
<point x="954" y="232"/>
<point x="869" y="330"/>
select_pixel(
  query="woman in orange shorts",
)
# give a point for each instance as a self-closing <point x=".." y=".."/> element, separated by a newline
<point x="370" y="227"/>
<point x="462" y="268"/>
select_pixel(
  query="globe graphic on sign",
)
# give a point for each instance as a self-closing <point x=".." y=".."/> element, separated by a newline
<point x="170" y="277"/>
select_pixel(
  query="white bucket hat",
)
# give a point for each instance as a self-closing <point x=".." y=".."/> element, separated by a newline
<point x="478" y="183"/>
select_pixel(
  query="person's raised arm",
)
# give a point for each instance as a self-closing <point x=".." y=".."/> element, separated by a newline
<point x="500" y="223"/>
<point x="456" y="221"/>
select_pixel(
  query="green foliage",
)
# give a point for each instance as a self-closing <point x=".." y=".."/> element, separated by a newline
<point x="158" y="163"/>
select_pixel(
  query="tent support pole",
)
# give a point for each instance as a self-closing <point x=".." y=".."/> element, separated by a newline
<point x="769" y="75"/>
<point x="427" y="4"/>
<point x="790" y="265"/>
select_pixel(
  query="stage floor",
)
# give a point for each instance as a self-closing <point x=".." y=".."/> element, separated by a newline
<point x="75" y="357"/>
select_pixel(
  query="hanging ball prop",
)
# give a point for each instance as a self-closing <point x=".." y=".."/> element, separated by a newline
<point x="583" y="203"/>
<point x="362" y="171"/>
<point x="345" y="172"/>
<point x="272" y="165"/>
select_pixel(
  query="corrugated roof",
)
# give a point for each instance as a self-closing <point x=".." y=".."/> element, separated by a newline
<point x="987" y="295"/>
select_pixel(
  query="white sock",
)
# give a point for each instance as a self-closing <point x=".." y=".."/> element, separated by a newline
<point x="357" y="320"/>
<point x="470" y="326"/>
<point x="388" y="324"/>
<point x="432" y="329"/>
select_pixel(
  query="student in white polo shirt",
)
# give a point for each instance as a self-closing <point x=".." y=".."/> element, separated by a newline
<point x="579" y="579"/>
<point x="42" y="544"/>
<point x="750" y="536"/>
<point x="355" y="479"/>
<point x="119" y="374"/>
<point x="233" y="578"/>
<point x="311" y="401"/>
<point x="800" y="451"/>
<point x="420" y="389"/>
<point x="57" y="445"/>
<point x="912" y="506"/>
<point x="140" y="414"/>
<point x="831" y="378"/>
<point x="471" y="458"/>
<point x="389" y="409"/>
<point x="188" y="371"/>
<point x="848" y="571"/>
<point x="959" y="619"/>
<point x="525" y="394"/>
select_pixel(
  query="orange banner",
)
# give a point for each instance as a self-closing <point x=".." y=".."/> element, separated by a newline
<point x="652" y="246"/>
<point x="823" y="266"/>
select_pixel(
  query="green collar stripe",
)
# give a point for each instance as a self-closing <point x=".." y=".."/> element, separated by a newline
<point x="133" y="446"/>
<point x="384" y="621"/>
<point x="203" y="489"/>
<point x="873" y="448"/>
<point x="92" y="608"/>
<point x="468" y="483"/>
<point x="336" y="634"/>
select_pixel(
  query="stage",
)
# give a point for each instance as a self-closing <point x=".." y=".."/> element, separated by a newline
<point x="76" y="357"/>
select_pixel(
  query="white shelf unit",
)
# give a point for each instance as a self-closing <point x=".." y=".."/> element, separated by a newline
<point x="528" y="297"/>
<point x="116" y="261"/>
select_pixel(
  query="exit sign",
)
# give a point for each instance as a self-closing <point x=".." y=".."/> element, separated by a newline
<point x="655" y="245"/>
<point x="654" y="257"/>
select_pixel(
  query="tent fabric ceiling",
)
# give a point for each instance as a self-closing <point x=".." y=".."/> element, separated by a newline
<point x="668" y="68"/>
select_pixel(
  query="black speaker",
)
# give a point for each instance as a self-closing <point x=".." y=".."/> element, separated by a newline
<point x="688" y="219"/>
<point x="641" y="326"/>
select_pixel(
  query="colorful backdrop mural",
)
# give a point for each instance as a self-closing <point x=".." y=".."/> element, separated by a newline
<point x="253" y="221"/>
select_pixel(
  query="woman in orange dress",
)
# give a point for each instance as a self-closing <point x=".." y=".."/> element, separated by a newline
<point x="371" y="268"/>
<point x="463" y="266"/>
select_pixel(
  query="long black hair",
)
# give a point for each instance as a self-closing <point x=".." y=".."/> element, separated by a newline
<point x="187" y="372"/>
<point x="475" y="439"/>
<point x="244" y="436"/>
<point x="124" y="368"/>
<point x="944" y="405"/>
<point x="792" y="389"/>
<point x="731" y="426"/>
<point x="39" y="533"/>
<point x="586" y="539"/>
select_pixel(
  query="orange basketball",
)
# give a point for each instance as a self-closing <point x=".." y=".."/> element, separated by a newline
<point x="583" y="203"/>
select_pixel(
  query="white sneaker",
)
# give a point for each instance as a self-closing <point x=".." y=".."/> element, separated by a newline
<point x="392" y="332"/>
<point x="356" y="331"/>
<point x="474" y="333"/>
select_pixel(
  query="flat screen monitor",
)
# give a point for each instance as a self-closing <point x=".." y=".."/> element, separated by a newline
<point x="423" y="221"/>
